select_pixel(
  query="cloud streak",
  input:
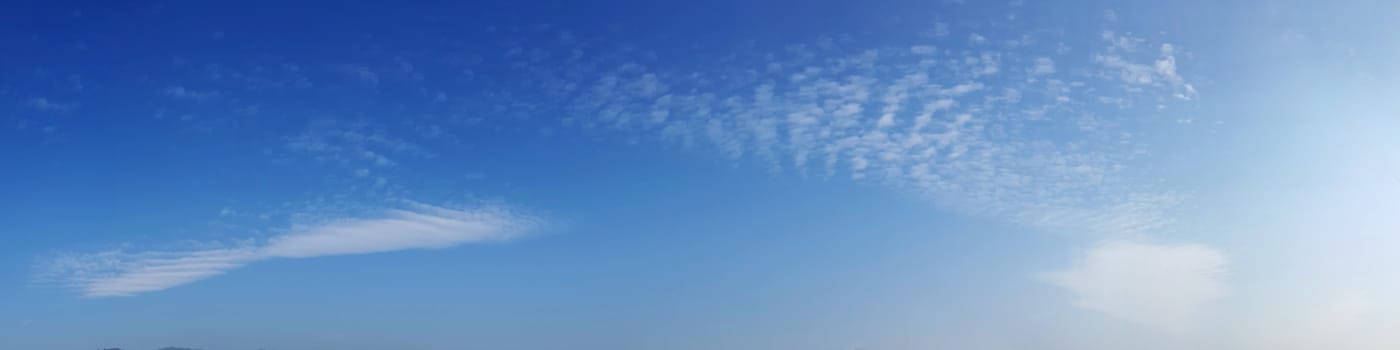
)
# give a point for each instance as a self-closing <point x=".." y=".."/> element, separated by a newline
<point x="120" y="273"/>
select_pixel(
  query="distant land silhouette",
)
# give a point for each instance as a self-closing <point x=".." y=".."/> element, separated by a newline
<point x="164" y="348"/>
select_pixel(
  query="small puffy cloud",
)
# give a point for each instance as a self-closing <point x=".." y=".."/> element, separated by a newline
<point x="1166" y="66"/>
<point x="886" y="121"/>
<point x="961" y="89"/>
<point x="976" y="38"/>
<point x="1161" y="286"/>
<point x="940" y="29"/>
<point x="1120" y="42"/>
<point x="1043" y="66"/>
<point x="1162" y="71"/>
<point x="1129" y="72"/>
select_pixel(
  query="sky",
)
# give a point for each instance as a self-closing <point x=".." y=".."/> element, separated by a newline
<point x="700" y="175"/>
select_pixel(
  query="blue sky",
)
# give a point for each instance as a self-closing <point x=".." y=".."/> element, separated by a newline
<point x="700" y="175"/>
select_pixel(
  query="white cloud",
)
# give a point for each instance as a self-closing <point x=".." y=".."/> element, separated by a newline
<point x="361" y="73"/>
<point x="937" y="122"/>
<point x="422" y="228"/>
<point x="181" y="92"/>
<point x="1129" y="72"/>
<point x="46" y="105"/>
<point x="961" y="89"/>
<point x="976" y="38"/>
<point x="1353" y="321"/>
<point x="1162" y="286"/>
<point x="940" y="30"/>
<point x="120" y="273"/>
<point x="1117" y="60"/>
<point x="146" y="272"/>
<point x="355" y="146"/>
<point x="1123" y="42"/>
<point x="1043" y="66"/>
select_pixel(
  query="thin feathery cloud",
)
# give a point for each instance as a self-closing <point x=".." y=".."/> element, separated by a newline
<point x="352" y="145"/>
<point x="121" y="273"/>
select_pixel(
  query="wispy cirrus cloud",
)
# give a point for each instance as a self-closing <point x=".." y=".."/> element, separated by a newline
<point x="123" y="273"/>
<point x="354" y="145"/>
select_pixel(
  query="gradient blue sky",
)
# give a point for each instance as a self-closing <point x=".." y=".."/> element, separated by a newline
<point x="700" y="175"/>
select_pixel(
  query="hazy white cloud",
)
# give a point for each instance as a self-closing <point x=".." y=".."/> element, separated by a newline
<point x="1347" y="321"/>
<point x="1120" y="60"/>
<point x="976" y="38"/>
<point x="939" y="30"/>
<point x="424" y="227"/>
<point x="353" y="145"/>
<point x="181" y="92"/>
<point x="46" y="105"/>
<point x="1121" y="42"/>
<point x="132" y="274"/>
<point x="1043" y="66"/>
<point x="361" y="73"/>
<point x="1110" y="15"/>
<point x="1161" y="286"/>
<point x="1129" y="72"/>
<point x="121" y="273"/>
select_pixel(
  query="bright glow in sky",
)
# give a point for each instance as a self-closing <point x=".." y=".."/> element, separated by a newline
<point x="700" y="175"/>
